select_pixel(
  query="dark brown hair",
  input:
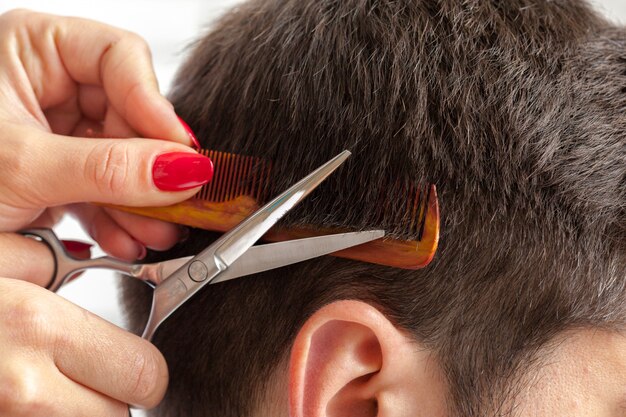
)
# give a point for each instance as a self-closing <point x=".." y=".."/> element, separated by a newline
<point x="515" y="109"/>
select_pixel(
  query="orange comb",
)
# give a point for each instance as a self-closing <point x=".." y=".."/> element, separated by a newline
<point x="241" y="184"/>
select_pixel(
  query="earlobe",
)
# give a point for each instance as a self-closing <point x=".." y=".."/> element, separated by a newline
<point x="349" y="360"/>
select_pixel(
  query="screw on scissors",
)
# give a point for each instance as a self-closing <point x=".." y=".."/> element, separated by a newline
<point x="231" y="256"/>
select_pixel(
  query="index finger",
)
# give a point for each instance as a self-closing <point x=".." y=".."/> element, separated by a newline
<point x="97" y="54"/>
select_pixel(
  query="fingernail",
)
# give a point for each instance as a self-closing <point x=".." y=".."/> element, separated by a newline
<point x="74" y="246"/>
<point x="75" y="276"/>
<point x="179" y="171"/>
<point x="192" y="135"/>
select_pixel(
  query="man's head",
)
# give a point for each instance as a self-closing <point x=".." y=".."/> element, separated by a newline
<point x="516" y="110"/>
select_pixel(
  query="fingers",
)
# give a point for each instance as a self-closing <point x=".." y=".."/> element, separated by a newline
<point x="121" y="63"/>
<point x="116" y="363"/>
<point x="124" y="235"/>
<point x="116" y="127"/>
<point x="50" y="170"/>
<point x="85" y="401"/>
<point x="109" y="360"/>
<point x="155" y="234"/>
<point x="29" y="260"/>
<point x="92" y="101"/>
<point x="111" y="237"/>
<point x="65" y="52"/>
<point x="83" y="347"/>
<point x="25" y="259"/>
<point x="33" y="386"/>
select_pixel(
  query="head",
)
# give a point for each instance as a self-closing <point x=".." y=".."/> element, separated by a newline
<point x="516" y="111"/>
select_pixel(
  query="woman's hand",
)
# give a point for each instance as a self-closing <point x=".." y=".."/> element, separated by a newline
<point x="62" y="79"/>
<point x="65" y="78"/>
<point x="59" y="360"/>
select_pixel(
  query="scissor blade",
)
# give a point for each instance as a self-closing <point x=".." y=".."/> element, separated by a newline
<point x="203" y="268"/>
<point x="274" y="255"/>
<point x="225" y="251"/>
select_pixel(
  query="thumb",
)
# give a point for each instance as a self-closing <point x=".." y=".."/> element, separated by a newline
<point x="134" y="172"/>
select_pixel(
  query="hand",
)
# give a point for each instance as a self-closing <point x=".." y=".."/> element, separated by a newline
<point x="61" y="78"/>
<point x="59" y="360"/>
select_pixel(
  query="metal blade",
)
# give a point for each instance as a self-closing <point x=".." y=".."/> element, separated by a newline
<point x="167" y="268"/>
<point x="225" y="251"/>
<point x="274" y="255"/>
<point x="203" y="268"/>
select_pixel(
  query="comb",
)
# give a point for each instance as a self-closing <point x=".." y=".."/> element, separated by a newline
<point x="242" y="184"/>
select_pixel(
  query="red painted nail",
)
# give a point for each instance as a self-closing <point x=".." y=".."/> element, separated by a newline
<point x="178" y="171"/>
<point x="75" y="246"/>
<point x="192" y="135"/>
<point x="79" y="250"/>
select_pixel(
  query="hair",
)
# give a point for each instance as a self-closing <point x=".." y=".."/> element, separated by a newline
<point x="515" y="109"/>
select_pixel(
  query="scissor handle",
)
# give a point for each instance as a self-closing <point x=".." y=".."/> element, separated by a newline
<point x="65" y="265"/>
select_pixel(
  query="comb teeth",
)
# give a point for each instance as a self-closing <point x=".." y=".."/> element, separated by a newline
<point x="218" y="208"/>
<point x="238" y="175"/>
<point x="407" y="220"/>
<point x="234" y="176"/>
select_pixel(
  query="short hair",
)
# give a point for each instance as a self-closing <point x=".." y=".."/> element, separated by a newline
<point x="516" y="110"/>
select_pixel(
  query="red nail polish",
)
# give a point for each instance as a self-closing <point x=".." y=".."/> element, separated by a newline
<point x="75" y="246"/>
<point x="192" y="135"/>
<point x="178" y="171"/>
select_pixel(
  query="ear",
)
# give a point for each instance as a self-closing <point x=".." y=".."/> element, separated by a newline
<point x="349" y="360"/>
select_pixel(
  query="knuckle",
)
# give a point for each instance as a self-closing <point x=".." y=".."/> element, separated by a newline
<point x="138" y="42"/>
<point x="143" y="383"/>
<point x="30" y="321"/>
<point x="107" y="166"/>
<point x="21" y="393"/>
<point x="15" y="16"/>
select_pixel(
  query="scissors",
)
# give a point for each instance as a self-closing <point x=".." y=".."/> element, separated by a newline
<point x="231" y="256"/>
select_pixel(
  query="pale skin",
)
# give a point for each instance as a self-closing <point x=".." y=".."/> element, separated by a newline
<point x="62" y="79"/>
<point x="349" y="360"/>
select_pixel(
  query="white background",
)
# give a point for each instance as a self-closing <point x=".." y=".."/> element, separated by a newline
<point x="168" y="27"/>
